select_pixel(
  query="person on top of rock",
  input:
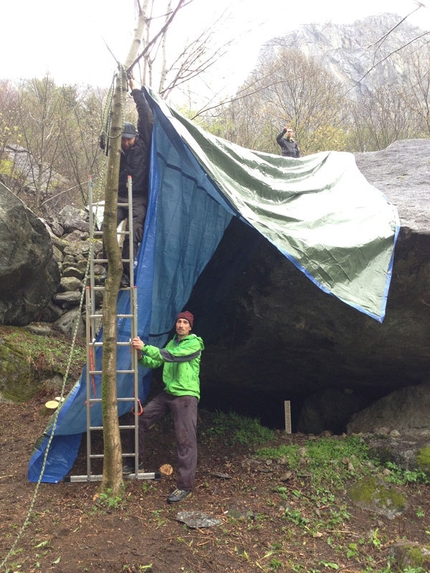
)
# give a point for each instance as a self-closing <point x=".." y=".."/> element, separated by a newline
<point x="289" y="147"/>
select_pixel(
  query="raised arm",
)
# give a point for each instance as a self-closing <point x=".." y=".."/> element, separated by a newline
<point x="145" y="116"/>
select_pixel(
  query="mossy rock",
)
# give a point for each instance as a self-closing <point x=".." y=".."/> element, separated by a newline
<point x="28" y="361"/>
<point x="423" y="459"/>
<point x="378" y="496"/>
<point x="17" y="380"/>
<point x="409" y="555"/>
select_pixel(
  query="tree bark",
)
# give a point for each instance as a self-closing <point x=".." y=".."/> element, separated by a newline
<point x="112" y="481"/>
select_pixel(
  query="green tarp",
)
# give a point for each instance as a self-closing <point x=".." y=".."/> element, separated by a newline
<point x="319" y="211"/>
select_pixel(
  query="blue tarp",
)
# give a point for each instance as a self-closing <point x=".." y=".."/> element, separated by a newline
<point x="319" y="211"/>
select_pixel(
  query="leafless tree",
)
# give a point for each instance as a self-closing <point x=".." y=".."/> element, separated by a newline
<point x="288" y="88"/>
<point x="47" y="130"/>
<point x="379" y="119"/>
<point x="112" y="481"/>
<point x="416" y="87"/>
<point x="167" y="66"/>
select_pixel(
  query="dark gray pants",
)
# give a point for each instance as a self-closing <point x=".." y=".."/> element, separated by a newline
<point x="184" y="414"/>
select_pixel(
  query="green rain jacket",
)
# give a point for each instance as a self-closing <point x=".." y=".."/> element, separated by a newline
<point x="181" y="364"/>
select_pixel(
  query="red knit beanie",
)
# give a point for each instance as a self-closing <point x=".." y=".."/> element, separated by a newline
<point x="188" y="316"/>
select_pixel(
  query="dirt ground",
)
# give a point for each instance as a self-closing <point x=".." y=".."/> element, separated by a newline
<point x="69" y="531"/>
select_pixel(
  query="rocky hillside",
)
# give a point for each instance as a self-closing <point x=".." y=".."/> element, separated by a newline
<point x="356" y="52"/>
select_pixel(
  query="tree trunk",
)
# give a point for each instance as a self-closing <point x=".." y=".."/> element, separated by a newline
<point x="112" y="474"/>
<point x="112" y="481"/>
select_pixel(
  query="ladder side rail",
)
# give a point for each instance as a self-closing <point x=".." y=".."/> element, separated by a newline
<point x="133" y="321"/>
<point x="135" y="367"/>
<point x="89" y="331"/>
<point x="91" y="345"/>
<point x="130" y="230"/>
<point x="92" y="229"/>
<point x="133" y="318"/>
<point x="88" y="380"/>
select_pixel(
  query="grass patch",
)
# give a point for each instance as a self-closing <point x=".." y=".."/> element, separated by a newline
<point x="237" y="429"/>
<point x="330" y="461"/>
<point x="44" y="353"/>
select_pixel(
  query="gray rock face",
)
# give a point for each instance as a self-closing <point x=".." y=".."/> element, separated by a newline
<point x="349" y="51"/>
<point x="401" y="172"/>
<point x="29" y="275"/>
<point x="405" y="410"/>
<point x="271" y="335"/>
<point x="72" y="219"/>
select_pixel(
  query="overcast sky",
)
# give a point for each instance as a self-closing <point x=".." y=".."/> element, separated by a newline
<point x="68" y="39"/>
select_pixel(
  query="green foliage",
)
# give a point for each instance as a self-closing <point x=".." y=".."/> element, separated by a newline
<point x="275" y="565"/>
<point x="331" y="461"/>
<point x="420" y="512"/>
<point x="6" y="167"/>
<point x="423" y="459"/>
<point x="400" y="476"/>
<point x="239" y="429"/>
<point x="109" y="501"/>
<point x="296" y="517"/>
<point x="289" y="452"/>
<point x="44" y="353"/>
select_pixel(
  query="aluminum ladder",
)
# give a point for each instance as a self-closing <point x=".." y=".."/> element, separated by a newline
<point x="93" y="320"/>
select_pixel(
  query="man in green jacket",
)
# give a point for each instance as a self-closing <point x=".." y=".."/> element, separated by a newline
<point x="181" y="368"/>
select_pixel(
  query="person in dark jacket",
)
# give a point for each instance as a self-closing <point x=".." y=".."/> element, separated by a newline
<point x="289" y="147"/>
<point x="134" y="162"/>
<point x="180" y="360"/>
<point x="135" y="157"/>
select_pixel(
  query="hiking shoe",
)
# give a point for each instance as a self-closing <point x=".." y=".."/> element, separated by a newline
<point x="178" y="495"/>
<point x="129" y="468"/>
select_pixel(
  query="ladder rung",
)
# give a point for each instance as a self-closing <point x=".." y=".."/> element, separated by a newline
<point x="118" y="372"/>
<point x="124" y="427"/>
<point x="97" y="261"/>
<point x="94" y="344"/>
<point x="123" y="399"/>
<point x="118" y="315"/>
<point x="98" y="477"/>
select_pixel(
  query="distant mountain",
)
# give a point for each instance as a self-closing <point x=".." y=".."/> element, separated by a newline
<point x="357" y="53"/>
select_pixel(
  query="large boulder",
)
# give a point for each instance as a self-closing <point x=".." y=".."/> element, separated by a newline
<point x="29" y="274"/>
<point x="405" y="410"/>
<point x="272" y="335"/>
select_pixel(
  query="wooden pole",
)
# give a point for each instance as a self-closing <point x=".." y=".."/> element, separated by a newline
<point x="287" y="414"/>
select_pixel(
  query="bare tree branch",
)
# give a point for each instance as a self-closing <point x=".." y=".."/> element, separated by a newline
<point x="181" y="4"/>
